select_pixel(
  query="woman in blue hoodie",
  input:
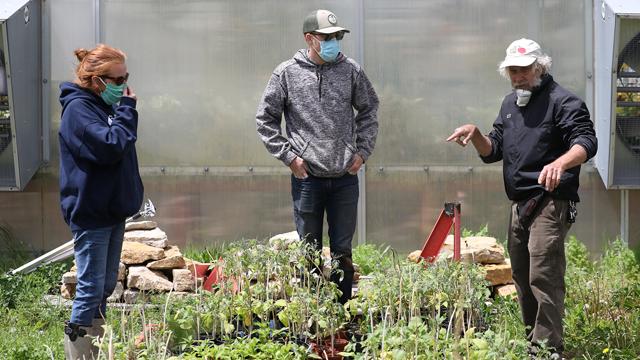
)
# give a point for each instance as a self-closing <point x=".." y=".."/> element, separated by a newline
<point x="100" y="185"/>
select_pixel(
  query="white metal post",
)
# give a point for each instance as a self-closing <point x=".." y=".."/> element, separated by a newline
<point x="96" y="21"/>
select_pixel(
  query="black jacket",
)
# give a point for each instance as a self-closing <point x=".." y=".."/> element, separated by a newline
<point x="530" y="137"/>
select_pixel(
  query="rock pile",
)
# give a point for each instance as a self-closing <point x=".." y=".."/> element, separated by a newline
<point x="147" y="263"/>
<point x="484" y="251"/>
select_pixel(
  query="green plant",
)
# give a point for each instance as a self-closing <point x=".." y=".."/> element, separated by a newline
<point x="404" y="311"/>
<point x="371" y="257"/>
<point x="206" y="254"/>
<point x="26" y="288"/>
<point x="577" y="254"/>
<point x="31" y="328"/>
<point x="603" y="304"/>
<point x="260" y="347"/>
<point x="483" y="231"/>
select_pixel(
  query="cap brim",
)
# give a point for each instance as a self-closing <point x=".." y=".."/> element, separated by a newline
<point x="524" y="60"/>
<point x="331" y="30"/>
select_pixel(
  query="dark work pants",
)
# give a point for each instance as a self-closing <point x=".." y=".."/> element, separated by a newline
<point x="538" y="264"/>
<point x="339" y="198"/>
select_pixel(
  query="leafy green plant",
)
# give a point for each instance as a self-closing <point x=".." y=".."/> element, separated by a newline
<point x="26" y="288"/>
<point x="603" y="304"/>
<point x="260" y="347"/>
<point x="577" y="254"/>
<point x="206" y="254"/>
<point x="30" y="328"/>
<point x="371" y="257"/>
<point x="269" y="302"/>
<point x="483" y="231"/>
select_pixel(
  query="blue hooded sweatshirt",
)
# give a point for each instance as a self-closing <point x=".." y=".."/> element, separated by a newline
<point x="100" y="183"/>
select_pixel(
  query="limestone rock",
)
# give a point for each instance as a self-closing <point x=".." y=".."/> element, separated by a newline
<point x="144" y="279"/>
<point x="476" y="249"/>
<point x="478" y="242"/>
<point x="140" y="225"/>
<point x="68" y="291"/>
<point x="69" y="278"/>
<point x="414" y="256"/>
<point x="493" y="255"/>
<point x="134" y="253"/>
<point x="183" y="280"/>
<point x="282" y="241"/>
<point x="173" y="260"/>
<point x="131" y="296"/>
<point x="155" y="237"/>
<point x="506" y="290"/>
<point x="498" y="274"/>
<point x="122" y="272"/>
<point x="116" y="295"/>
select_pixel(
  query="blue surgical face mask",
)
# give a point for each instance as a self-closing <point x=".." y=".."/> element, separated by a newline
<point x="112" y="93"/>
<point x="329" y="50"/>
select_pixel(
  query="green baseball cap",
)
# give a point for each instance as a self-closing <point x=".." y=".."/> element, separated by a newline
<point x="323" y="22"/>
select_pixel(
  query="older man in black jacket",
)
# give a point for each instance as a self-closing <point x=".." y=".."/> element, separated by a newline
<point x="542" y="133"/>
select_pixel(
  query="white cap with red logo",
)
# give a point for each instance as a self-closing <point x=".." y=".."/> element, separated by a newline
<point x="521" y="52"/>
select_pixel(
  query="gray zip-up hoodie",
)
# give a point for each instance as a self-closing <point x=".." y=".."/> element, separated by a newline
<point x="318" y="103"/>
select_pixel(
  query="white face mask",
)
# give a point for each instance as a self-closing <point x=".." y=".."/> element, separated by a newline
<point x="523" y="97"/>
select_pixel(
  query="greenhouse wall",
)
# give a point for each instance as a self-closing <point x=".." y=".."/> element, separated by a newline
<point x="199" y="69"/>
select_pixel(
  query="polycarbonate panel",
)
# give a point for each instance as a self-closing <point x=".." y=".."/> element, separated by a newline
<point x="215" y="209"/>
<point x="71" y="26"/>
<point x="199" y="69"/>
<point x="403" y="205"/>
<point x="434" y="66"/>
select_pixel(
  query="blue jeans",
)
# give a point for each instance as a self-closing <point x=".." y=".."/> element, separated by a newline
<point x="339" y="198"/>
<point x="97" y="254"/>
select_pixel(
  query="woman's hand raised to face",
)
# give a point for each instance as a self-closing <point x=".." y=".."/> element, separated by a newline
<point x="128" y="92"/>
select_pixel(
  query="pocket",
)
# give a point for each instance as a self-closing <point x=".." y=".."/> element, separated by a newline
<point x="329" y="158"/>
<point x="549" y="229"/>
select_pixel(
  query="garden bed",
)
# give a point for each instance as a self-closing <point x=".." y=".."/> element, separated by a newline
<point x="280" y="310"/>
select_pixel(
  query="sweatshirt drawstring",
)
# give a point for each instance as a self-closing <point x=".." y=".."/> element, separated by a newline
<point x="319" y="76"/>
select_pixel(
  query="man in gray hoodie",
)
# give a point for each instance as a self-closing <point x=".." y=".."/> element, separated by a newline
<point x="326" y="141"/>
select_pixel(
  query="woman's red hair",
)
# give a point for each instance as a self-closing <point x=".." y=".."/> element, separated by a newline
<point x="96" y="62"/>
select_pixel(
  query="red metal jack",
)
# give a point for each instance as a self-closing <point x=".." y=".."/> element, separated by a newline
<point x="450" y="215"/>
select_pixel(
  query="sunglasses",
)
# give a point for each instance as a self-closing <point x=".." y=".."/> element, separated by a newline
<point x="117" y="80"/>
<point x="337" y="35"/>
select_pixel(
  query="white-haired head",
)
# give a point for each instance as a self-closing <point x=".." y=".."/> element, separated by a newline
<point x="524" y="52"/>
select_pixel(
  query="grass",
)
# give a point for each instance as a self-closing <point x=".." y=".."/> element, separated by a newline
<point x="29" y="328"/>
